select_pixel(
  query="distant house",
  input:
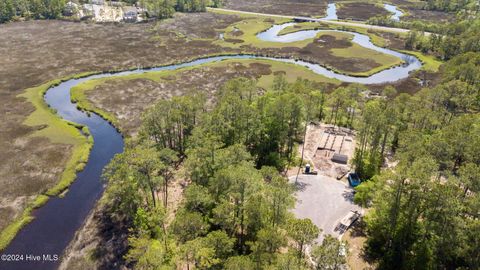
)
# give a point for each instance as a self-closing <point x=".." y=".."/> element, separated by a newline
<point x="130" y="14"/>
<point x="70" y="9"/>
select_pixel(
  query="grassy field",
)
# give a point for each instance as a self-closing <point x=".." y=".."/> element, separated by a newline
<point x="377" y="40"/>
<point x="360" y="11"/>
<point x="59" y="131"/>
<point x="32" y="163"/>
<point x="292" y="72"/>
<point x="355" y="50"/>
<point x="245" y="33"/>
<point x="78" y="95"/>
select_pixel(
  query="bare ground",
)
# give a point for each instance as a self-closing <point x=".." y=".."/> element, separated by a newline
<point x="356" y="238"/>
<point x="322" y="141"/>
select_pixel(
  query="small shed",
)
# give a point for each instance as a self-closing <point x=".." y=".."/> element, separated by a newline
<point x="340" y="158"/>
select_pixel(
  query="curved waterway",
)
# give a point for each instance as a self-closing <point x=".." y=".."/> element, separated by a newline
<point x="396" y="12"/>
<point x="331" y="12"/>
<point x="393" y="74"/>
<point x="55" y="223"/>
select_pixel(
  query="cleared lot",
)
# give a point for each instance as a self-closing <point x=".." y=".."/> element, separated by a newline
<point x="324" y="200"/>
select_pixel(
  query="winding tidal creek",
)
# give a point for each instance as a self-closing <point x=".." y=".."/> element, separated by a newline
<point x="56" y="222"/>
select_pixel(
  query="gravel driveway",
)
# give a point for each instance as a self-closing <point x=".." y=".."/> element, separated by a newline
<point x="324" y="200"/>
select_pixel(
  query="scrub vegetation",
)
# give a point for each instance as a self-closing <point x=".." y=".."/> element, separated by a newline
<point x="59" y="131"/>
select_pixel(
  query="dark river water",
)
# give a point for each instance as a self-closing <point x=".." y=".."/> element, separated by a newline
<point x="56" y="222"/>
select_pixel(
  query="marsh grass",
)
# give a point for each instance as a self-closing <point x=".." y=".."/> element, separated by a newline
<point x="58" y="131"/>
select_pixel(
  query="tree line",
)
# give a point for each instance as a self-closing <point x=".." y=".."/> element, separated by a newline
<point x="449" y="38"/>
<point x="446" y="39"/>
<point x="424" y="209"/>
<point x="234" y="213"/>
<point x="450" y="5"/>
<point x="53" y="9"/>
<point x="35" y="9"/>
<point x="163" y="9"/>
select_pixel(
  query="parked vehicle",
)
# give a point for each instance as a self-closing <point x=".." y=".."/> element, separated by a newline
<point x="354" y="179"/>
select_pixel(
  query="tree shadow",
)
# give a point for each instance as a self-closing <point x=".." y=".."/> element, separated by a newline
<point x="300" y="186"/>
<point x="113" y="242"/>
<point x="348" y="195"/>
<point x="358" y="229"/>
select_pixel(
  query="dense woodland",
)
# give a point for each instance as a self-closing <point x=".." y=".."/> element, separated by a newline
<point x="418" y="154"/>
<point x="235" y="209"/>
<point x="235" y="212"/>
<point x="35" y="9"/>
<point x="450" y="5"/>
<point x="424" y="210"/>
